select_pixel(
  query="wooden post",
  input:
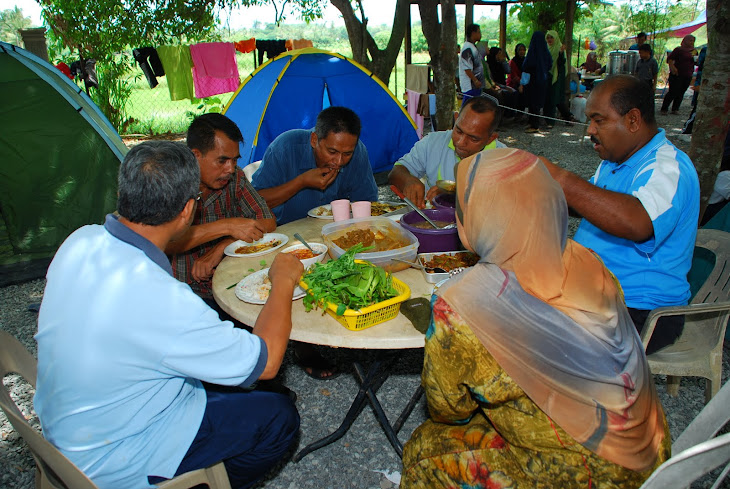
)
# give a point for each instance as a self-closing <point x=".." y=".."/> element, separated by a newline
<point x="407" y="45"/>
<point x="503" y="26"/>
<point x="468" y="15"/>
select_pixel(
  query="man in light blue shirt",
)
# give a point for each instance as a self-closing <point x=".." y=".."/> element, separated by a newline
<point x="303" y="169"/>
<point x="124" y="347"/>
<point x="435" y="156"/>
<point x="641" y="207"/>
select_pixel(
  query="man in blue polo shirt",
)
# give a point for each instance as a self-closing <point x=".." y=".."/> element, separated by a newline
<point x="640" y="209"/>
<point x="435" y="156"/>
<point x="124" y="347"/>
<point x="302" y="169"/>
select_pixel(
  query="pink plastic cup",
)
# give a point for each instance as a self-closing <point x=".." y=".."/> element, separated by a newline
<point x="361" y="209"/>
<point x="340" y="209"/>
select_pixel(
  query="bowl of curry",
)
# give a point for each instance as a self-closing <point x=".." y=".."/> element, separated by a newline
<point x="305" y="255"/>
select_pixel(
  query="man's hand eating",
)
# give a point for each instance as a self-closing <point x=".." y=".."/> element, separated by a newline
<point x="319" y="178"/>
<point x="248" y="230"/>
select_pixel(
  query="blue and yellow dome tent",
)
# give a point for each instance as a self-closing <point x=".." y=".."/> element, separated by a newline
<point x="289" y="91"/>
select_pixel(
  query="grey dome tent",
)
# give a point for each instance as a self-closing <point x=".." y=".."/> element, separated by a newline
<point x="59" y="158"/>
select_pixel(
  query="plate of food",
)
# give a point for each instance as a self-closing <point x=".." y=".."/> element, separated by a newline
<point x="255" y="288"/>
<point x="267" y="244"/>
<point x="382" y="208"/>
<point x="447" y="261"/>
<point x="321" y="212"/>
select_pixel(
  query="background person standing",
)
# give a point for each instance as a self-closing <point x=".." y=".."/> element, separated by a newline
<point x="537" y="65"/>
<point x="471" y="70"/>
<point x="681" y="67"/>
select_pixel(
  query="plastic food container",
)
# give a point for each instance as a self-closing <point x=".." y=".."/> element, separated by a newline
<point x="433" y="239"/>
<point x="356" y="320"/>
<point x="434" y="278"/>
<point x="444" y="201"/>
<point x="383" y="259"/>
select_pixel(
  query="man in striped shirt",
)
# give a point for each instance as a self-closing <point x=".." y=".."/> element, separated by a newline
<point x="640" y="208"/>
<point x="229" y="208"/>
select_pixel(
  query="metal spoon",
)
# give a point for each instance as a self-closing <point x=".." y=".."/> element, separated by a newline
<point x="299" y="237"/>
<point x="419" y="211"/>
<point x="448" y="186"/>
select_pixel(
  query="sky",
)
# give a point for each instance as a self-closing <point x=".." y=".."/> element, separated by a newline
<point x="377" y="11"/>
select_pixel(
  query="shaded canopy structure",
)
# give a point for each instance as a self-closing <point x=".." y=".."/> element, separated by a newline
<point x="682" y="30"/>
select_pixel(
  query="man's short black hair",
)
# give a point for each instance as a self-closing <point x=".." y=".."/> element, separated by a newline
<point x="471" y="29"/>
<point x="156" y="180"/>
<point x="640" y="34"/>
<point x="483" y="104"/>
<point x="201" y="133"/>
<point x="337" y="120"/>
<point x="630" y="93"/>
<point x="645" y="47"/>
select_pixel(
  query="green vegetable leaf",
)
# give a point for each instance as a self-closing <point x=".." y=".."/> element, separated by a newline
<point x="348" y="284"/>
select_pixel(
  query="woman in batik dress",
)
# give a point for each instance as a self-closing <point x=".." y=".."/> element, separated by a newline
<point x="534" y="373"/>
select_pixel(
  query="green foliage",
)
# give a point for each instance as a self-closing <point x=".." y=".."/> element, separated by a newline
<point x="541" y="16"/>
<point x="653" y="15"/>
<point x="306" y="10"/>
<point x="107" y="30"/>
<point x="11" y="21"/>
<point x="78" y="29"/>
<point x="113" y="92"/>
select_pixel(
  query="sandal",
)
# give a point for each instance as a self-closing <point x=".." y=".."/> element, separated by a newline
<point x="531" y="130"/>
<point x="312" y="363"/>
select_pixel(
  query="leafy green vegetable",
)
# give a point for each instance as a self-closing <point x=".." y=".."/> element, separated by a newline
<point x="262" y="263"/>
<point x="348" y="284"/>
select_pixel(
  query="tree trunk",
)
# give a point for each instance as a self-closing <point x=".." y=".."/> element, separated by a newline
<point x="443" y="48"/>
<point x="570" y="6"/>
<point x="713" y="106"/>
<point x="364" y="49"/>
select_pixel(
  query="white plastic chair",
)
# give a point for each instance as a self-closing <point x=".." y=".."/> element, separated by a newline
<point x="698" y="351"/>
<point x="250" y="169"/>
<point x="697" y="451"/>
<point x="53" y="469"/>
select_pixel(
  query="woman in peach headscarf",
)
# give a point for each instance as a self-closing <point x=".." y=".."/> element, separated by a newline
<point x="533" y="370"/>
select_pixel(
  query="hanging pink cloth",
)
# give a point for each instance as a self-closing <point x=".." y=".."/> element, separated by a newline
<point x="413" y="100"/>
<point x="301" y="43"/>
<point x="214" y="68"/>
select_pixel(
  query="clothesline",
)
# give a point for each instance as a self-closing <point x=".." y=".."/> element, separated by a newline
<point x="206" y="69"/>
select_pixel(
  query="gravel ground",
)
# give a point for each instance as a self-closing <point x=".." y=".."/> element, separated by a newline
<point x="354" y="461"/>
